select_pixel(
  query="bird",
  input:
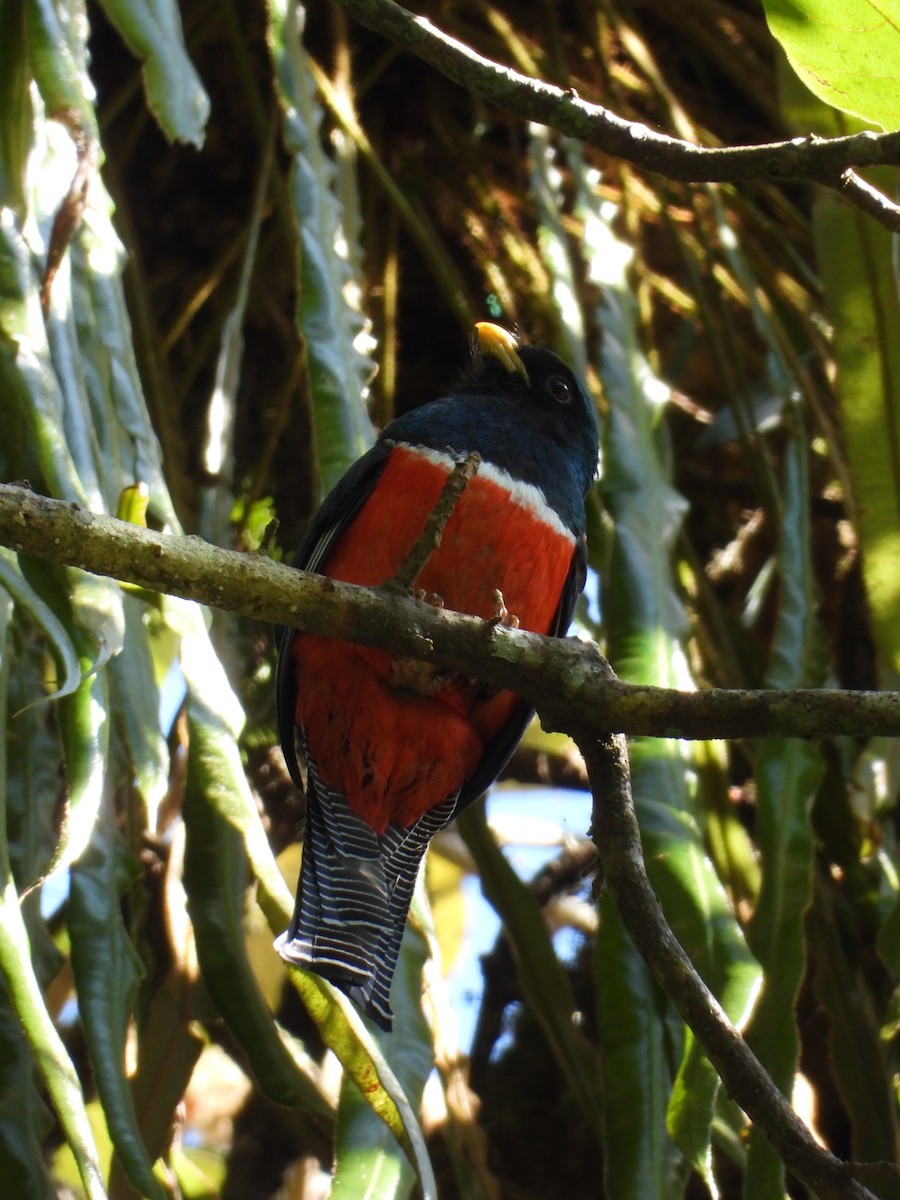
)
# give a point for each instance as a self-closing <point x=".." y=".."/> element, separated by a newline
<point x="395" y="749"/>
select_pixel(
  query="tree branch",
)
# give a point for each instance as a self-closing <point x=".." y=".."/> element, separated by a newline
<point x="822" y="160"/>
<point x="568" y="681"/>
<point x="430" y="537"/>
<point x="617" y="837"/>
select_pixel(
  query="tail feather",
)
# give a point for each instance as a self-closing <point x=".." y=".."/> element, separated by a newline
<point x="354" y="895"/>
<point x="403" y="850"/>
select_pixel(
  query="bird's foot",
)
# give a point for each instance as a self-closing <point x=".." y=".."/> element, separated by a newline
<point x="500" y="614"/>
<point x="432" y="599"/>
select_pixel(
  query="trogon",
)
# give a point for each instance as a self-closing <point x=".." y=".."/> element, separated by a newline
<point x="395" y="749"/>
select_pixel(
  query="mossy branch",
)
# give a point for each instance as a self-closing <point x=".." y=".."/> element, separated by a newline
<point x="568" y="681"/>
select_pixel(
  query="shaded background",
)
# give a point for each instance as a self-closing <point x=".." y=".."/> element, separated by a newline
<point x="738" y="343"/>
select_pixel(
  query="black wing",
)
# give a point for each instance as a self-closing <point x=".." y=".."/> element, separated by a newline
<point x="339" y="508"/>
<point x="500" y="750"/>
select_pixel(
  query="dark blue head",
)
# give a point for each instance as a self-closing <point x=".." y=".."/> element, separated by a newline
<point x="523" y="410"/>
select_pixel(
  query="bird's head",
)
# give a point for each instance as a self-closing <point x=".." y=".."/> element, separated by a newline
<point x="549" y="392"/>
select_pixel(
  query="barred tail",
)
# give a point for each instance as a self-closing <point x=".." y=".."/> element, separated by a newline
<point x="354" y="895"/>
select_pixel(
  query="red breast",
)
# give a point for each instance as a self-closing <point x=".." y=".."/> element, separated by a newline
<point x="398" y="738"/>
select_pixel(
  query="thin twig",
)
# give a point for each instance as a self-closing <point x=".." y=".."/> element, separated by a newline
<point x="868" y="198"/>
<point x="824" y="160"/>
<point x="430" y="537"/>
<point x="617" y="837"/>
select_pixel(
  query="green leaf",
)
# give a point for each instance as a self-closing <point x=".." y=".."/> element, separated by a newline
<point x="338" y="371"/>
<point x="855" y="259"/>
<point x="135" y="707"/>
<point x="15" y="108"/>
<point x="169" y="1045"/>
<point x="787" y="775"/>
<point x="56" y="54"/>
<point x="128" y="448"/>
<point x="84" y="728"/>
<point x="40" y="451"/>
<point x="152" y="31"/>
<point x="24" y="1121"/>
<point x="555" y="246"/>
<point x="641" y="1048"/>
<point x="33" y="754"/>
<point x="846" y="51"/>
<point x="217" y="502"/>
<point x="46" y="1045"/>
<point x="57" y="635"/>
<point x="368" y="1159"/>
<point x="215" y="708"/>
<point x="214" y="879"/>
<point x="107" y="969"/>
<point x="21" y="983"/>
<point x="342" y="1029"/>
<point x="702" y="920"/>
<point x="799" y="656"/>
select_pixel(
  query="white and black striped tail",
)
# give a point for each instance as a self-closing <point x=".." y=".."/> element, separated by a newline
<point x="354" y="895"/>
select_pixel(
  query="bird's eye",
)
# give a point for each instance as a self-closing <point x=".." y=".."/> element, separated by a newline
<point x="559" y="389"/>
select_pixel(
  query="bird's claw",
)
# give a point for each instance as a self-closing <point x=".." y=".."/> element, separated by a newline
<point x="500" y="614"/>
<point x="432" y="598"/>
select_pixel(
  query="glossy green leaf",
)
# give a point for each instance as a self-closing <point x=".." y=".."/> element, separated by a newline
<point x="217" y="711"/>
<point x="84" y="728"/>
<point x="846" y="51"/>
<point x="15" y="107"/>
<point x="215" y="880"/>
<point x="555" y="246"/>
<point x="56" y="52"/>
<point x="343" y="1030"/>
<point x="175" y="95"/>
<point x="24" y="1120"/>
<point x="330" y="326"/>
<point x="135" y="708"/>
<point x="701" y="918"/>
<point x="33" y="755"/>
<point x="25" y="1028"/>
<point x="169" y="1045"/>
<point x="787" y="775"/>
<point x="855" y="258"/>
<point x="799" y="656"/>
<point x="129" y="451"/>
<point x="42" y="361"/>
<point x="46" y="1045"/>
<point x="39" y="451"/>
<point x="107" y="969"/>
<point x="642" y="1044"/>
<point x="57" y="635"/>
<point x="369" y="1160"/>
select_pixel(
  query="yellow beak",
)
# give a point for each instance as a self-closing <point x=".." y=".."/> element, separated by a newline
<point x="492" y="339"/>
